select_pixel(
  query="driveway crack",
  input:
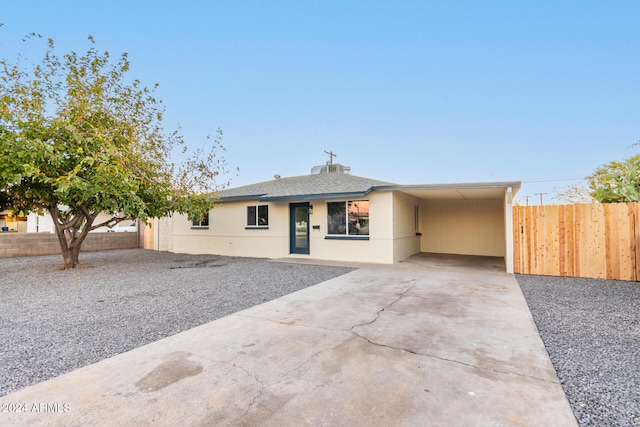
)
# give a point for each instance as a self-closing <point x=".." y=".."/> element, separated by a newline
<point x="312" y="356"/>
<point x="256" y="396"/>
<point x="401" y="295"/>
<point x="444" y="359"/>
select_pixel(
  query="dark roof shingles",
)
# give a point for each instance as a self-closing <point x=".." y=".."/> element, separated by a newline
<point x="327" y="185"/>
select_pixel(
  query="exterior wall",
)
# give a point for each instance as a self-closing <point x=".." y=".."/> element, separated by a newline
<point x="40" y="223"/>
<point x="30" y="244"/>
<point x="406" y="242"/>
<point x="227" y="234"/>
<point x="44" y="223"/>
<point x="102" y="217"/>
<point x="163" y="234"/>
<point x="464" y="227"/>
<point x="12" y="223"/>
<point x="379" y="247"/>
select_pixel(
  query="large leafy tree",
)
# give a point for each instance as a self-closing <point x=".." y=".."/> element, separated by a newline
<point x="616" y="181"/>
<point x="78" y="137"/>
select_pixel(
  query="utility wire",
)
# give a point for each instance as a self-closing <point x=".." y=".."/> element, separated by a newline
<point x="565" y="178"/>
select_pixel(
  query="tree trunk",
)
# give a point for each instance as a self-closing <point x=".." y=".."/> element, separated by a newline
<point x="70" y="256"/>
<point x="71" y="233"/>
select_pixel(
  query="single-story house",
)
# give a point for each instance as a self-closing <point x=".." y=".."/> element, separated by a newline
<point x="43" y="223"/>
<point x="10" y="222"/>
<point x="331" y="214"/>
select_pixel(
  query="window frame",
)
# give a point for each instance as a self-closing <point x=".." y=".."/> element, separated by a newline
<point x="201" y="225"/>
<point x="256" y="220"/>
<point x="346" y="235"/>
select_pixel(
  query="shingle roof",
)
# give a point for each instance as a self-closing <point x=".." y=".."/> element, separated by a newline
<point x="307" y="187"/>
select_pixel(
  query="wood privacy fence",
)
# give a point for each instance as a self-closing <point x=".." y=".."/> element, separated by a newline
<point x="591" y="240"/>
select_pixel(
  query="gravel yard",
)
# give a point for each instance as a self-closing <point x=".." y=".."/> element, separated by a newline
<point x="591" y="329"/>
<point x="56" y="321"/>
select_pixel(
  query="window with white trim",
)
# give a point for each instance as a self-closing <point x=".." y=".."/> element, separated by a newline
<point x="349" y="218"/>
<point x="204" y="223"/>
<point x="258" y="216"/>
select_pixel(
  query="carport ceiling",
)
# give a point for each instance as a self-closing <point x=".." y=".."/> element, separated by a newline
<point x="459" y="191"/>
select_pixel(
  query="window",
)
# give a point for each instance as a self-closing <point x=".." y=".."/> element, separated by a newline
<point x="349" y="218"/>
<point x="258" y="216"/>
<point x="200" y="224"/>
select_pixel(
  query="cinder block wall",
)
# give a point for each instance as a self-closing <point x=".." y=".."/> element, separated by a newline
<point x="32" y="244"/>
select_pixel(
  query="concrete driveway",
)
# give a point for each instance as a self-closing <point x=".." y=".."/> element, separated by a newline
<point x="432" y="341"/>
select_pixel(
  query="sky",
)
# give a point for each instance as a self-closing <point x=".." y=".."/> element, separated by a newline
<point x="409" y="92"/>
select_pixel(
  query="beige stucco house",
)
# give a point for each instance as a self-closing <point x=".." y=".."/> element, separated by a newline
<point x="333" y="215"/>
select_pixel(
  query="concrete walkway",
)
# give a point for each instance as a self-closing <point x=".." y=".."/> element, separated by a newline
<point x="433" y="341"/>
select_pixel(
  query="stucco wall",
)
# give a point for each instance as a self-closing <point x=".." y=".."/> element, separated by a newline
<point x="379" y="247"/>
<point x="406" y="242"/>
<point x="227" y="234"/>
<point x="465" y="227"/>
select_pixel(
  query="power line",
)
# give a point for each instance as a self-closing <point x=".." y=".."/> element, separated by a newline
<point x="565" y="178"/>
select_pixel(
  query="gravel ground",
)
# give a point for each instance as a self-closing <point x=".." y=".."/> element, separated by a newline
<point x="591" y="329"/>
<point x="57" y="321"/>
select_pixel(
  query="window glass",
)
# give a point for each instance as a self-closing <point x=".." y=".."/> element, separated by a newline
<point x="336" y="220"/>
<point x="263" y="215"/>
<point x="258" y="216"/>
<point x="358" y="217"/>
<point x="349" y="218"/>
<point x="251" y="215"/>
<point x="204" y="223"/>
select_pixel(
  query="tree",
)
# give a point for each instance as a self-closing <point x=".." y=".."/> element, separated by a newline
<point x="616" y="181"/>
<point x="575" y="193"/>
<point x="78" y="138"/>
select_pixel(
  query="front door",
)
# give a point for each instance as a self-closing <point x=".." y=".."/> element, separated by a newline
<point x="299" y="228"/>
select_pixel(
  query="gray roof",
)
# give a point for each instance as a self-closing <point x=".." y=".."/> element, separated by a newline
<point x="307" y="187"/>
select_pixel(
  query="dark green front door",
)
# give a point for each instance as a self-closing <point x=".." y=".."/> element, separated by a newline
<point x="299" y="228"/>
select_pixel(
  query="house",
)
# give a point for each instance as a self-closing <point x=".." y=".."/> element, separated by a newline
<point x="331" y="214"/>
<point x="43" y="223"/>
<point x="10" y="222"/>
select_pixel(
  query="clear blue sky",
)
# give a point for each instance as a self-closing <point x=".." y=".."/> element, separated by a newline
<point x="411" y="92"/>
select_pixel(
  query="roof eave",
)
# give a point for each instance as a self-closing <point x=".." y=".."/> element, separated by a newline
<point x="222" y="199"/>
<point x="457" y="186"/>
<point x="320" y="196"/>
<point x="296" y="197"/>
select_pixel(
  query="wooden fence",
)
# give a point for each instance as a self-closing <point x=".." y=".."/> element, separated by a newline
<point x="591" y="240"/>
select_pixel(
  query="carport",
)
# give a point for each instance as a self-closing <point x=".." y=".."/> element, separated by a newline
<point x="465" y="218"/>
